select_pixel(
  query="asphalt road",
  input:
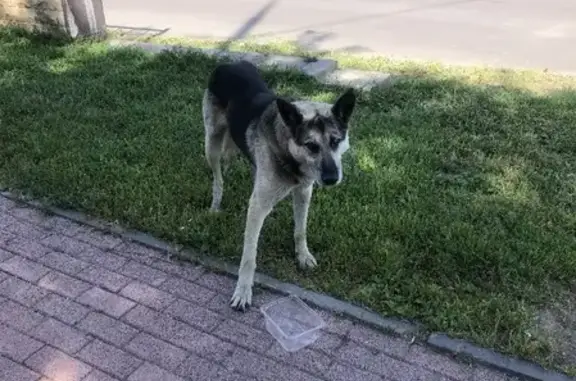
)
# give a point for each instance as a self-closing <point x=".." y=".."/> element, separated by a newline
<point x="519" y="33"/>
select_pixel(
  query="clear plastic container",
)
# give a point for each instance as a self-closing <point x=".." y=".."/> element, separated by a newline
<point x="292" y="323"/>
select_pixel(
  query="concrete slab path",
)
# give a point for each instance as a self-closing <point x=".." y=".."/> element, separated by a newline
<point x="525" y="33"/>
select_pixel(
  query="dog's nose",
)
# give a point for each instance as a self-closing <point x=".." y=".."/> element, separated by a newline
<point x="329" y="178"/>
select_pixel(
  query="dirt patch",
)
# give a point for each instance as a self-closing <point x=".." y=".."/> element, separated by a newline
<point x="557" y="325"/>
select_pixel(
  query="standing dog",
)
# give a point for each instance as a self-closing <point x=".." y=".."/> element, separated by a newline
<point x="291" y="146"/>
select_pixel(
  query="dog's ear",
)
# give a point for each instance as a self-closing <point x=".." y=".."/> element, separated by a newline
<point x="344" y="105"/>
<point x="289" y="114"/>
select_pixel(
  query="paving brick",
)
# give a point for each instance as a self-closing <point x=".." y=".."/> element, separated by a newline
<point x="187" y="290"/>
<point x="379" y="363"/>
<point x="143" y="273"/>
<point x="62" y="308"/>
<point x="336" y="324"/>
<point x="264" y="369"/>
<point x="261" y="297"/>
<point x="327" y="342"/>
<point x="244" y="335"/>
<point x="16" y="345"/>
<point x="217" y="282"/>
<point x="27" y="248"/>
<point x="426" y="358"/>
<point x="221" y="304"/>
<point x="99" y="239"/>
<point x="102" y="258"/>
<point x="60" y="335"/>
<point x="62" y="243"/>
<point x="195" y="315"/>
<point x="365" y="358"/>
<point x="147" y="295"/>
<point x="25" y="229"/>
<point x="57" y="365"/>
<point x="97" y="375"/>
<point x="18" y="316"/>
<point x="106" y="302"/>
<point x="11" y="371"/>
<point x="175" y="305"/>
<point x="306" y="359"/>
<point x="184" y="270"/>
<point x="199" y="369"/>
<point x="153" y="322"/>
<point x="108" y="329"/>
<point x="63" y="284"/>
<point x="232" y="376"/>
<point x="341" y="372"/>
<point x="26" y="213"/>
<point x="5" y="255"/>
<point x="5" y="237"/>
<point x="84" y="251"/>
<point x="150" y="372"/>
<point x="22" y="291"/>
<point x="483" y="374"/>
<point x="6" y="204"/>
<point x="24" y="268"/>
<point x="109" y="359"/>
<point x="156" y="351"/>
<point x="201" y="343"/>
<point x="104" y="278"/>
<point x="379" y="340"/>
<point x="63" y="262"/>
<point x="62" y="225"/>
<point x="140" y="253"/>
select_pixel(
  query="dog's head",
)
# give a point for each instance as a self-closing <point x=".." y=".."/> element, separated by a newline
<point x="319" y="135"/>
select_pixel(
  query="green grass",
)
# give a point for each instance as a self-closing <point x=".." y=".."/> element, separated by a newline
<point x="458" y="207"/>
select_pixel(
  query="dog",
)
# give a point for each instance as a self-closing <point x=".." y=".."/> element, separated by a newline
<point x="290" y="144"/>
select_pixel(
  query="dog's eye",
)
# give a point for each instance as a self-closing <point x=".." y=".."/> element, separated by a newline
<point x="334" y="142"/>
<point x="313" y="147"/>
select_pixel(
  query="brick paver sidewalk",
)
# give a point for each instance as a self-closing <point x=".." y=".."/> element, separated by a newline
<point x="77" y="304"/>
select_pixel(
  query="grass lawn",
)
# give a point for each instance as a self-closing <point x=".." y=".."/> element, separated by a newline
<point x="458" y="207"/>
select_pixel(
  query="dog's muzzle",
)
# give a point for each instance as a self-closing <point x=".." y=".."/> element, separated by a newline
<point x="329" y="173"/>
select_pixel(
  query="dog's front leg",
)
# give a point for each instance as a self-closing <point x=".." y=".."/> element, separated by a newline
<point x="301" y="201"/>
<point x="261" y="203"/>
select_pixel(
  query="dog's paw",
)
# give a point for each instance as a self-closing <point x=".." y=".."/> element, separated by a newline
<point x="215" y="209"/>
<point x="242" y="298"/>
<point x="307" y="261"/>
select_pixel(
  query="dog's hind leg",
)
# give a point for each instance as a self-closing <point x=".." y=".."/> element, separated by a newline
<point x="215" y="127"/>
<point x="229" y="151"/>
<point x="301" y="201"/>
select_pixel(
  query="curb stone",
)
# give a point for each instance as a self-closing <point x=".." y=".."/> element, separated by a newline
<point x="458" y="348"/>
<point x="510" y="365"/>
<point x="323" y="70"/>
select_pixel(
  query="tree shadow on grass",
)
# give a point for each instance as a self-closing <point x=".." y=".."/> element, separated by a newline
<point x="457" y="207"/>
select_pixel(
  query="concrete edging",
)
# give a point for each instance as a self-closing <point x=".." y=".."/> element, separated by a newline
<point x="507" y="364"/>
<point x="323" y="70"/>
<point x="458" y="348"/>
